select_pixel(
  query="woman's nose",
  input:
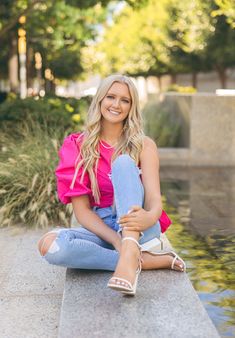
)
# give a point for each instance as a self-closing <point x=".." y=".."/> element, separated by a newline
<point x="116" y="103"/>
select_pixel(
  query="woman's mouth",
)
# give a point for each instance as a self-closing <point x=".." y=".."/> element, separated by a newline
<point x="114" y="112"/>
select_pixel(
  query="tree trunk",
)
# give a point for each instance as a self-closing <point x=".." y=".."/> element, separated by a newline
<point x="13" y="64"/>
<point x="194" y="79"/>
<point x="29" y="62"/>
<point x="160" y="83"/>
<point x="173" y="78"/>
<point x="49" y="87"/>
<point x="222" y="76"/>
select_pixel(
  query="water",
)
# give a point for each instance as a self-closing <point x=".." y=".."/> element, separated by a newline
<point x="201" y="203"/>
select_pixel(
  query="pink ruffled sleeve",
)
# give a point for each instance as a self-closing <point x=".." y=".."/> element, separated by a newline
<point x="65" y="171"/>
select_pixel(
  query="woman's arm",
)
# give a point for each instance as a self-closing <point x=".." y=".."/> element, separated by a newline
<point x="149" y="162"/>
<point x="92" y="222"/>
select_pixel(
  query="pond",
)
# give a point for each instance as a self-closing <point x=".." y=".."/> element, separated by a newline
<point x="201" y="204"/>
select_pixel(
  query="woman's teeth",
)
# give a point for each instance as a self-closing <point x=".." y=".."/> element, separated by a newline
<point x="114" y="112"/>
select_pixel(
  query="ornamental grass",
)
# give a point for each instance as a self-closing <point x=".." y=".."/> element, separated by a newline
<point x="27" y="181"/>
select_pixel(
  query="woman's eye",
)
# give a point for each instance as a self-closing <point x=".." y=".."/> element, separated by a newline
<point x="110" y="96"/>
<point x="126" y="101"/>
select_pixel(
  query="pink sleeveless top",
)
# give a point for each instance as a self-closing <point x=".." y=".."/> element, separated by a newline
<point x="68" y="154"/>
<point x="65" y="171"/>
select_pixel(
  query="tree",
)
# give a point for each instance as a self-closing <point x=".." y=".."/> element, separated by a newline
<point x="226" y="8"/>
<point x="55" y="29"/>
<point x="134" y="43"/>
<point x="167" y="37"/>
<point x="220" y="47"/>
<point x="188" y="28"/>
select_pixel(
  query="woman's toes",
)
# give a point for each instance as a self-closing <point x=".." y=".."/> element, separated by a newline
<point x="178" y="265"/>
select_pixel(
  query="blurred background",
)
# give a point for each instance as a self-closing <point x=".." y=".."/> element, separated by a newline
<point x="64" y="47"/>
<point x="181" y="56"/>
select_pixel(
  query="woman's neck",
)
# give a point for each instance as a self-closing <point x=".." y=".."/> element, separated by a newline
<point x="111" y="135"/>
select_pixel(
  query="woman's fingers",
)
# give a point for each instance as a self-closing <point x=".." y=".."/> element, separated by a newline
<point x="125" y="219"/>
<point x="129" y="221"/>
<point x="132" y="228"/>
<point x="135" y="208"/>
<point x="129" y="224"/>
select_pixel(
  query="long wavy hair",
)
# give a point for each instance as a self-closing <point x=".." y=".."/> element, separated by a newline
<point x="130" y="141"/>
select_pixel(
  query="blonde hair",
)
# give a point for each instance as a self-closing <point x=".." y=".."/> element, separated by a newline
<point x="130" y="142"/>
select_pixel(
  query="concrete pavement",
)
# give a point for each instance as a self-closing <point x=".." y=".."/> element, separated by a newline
<point x="30" y="289"/>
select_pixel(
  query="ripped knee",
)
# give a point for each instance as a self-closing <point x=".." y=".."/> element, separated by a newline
<point x="48" y="244"/>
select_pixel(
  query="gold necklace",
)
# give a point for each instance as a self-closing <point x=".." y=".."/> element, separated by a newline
<point x="110" y="147"/>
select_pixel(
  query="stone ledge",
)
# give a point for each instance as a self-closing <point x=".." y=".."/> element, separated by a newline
<point x="166" y="305"/>
<point x="174" y="156"/>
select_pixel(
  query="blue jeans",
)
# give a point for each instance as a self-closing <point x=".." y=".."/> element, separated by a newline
<point x="80" y="248"/>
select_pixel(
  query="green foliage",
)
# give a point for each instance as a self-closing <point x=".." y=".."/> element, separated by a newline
<point x="166" y="37"/>
<point x="86" y="3"/>
<point x="189" y="27"/>
<point x="28" y="187"/>
<point x="161" y="124"/>
<point x="226" y="8"/>
<point x="31" y="132"/>
<point x="59" y="32"/>
<point x="68" y="69"/>
<point x="52" y="113"/>
<point x="181" y="89"/>
<point x="57" y="29"/>
<point x="137" y="37"/>
<point x="221" y="42"/>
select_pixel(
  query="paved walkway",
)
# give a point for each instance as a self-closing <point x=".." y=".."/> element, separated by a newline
<point x="30" y="289"/>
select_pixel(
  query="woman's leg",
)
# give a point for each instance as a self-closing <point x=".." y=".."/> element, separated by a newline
<point x="128" y="191"/>
<point x="77" y="248"/>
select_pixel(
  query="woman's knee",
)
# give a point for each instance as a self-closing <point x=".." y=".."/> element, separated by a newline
<point x="46" y="242"/>
<point x="123" y="161"/>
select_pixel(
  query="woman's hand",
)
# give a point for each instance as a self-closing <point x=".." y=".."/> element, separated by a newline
<point x="137" y="219"/>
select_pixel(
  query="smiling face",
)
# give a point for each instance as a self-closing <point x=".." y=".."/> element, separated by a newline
<point x="116" y="104"/>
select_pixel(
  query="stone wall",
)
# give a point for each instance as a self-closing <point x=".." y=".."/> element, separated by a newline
<point x="208" y="130"/>
<point x="212" y="130"/>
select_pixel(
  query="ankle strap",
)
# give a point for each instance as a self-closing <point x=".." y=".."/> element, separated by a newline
<point x="131" y="239"/>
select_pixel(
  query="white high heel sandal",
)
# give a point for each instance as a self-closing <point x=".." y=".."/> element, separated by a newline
<point x="171" y="253"/>
<point x="123" y="285"/>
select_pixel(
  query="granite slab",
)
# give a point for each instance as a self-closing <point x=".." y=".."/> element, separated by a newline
<point x="166" y="305"/>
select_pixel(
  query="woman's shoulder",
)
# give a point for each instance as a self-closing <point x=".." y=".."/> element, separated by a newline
<point x="74" y="137"/>
<point x="71" y="145"/>
<point x="149" y="143"/>
<point x="149" y="151"/>
<point x="73" y="140"/>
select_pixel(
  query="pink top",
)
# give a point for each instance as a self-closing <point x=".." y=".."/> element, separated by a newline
<point x="65" y="171"/>
<point x="68" y="154"/>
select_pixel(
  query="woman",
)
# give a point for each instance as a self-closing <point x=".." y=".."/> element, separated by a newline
<point x="110" y="174"/>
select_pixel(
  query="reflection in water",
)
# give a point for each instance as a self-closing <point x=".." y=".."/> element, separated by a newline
<point x="201" y="203"/>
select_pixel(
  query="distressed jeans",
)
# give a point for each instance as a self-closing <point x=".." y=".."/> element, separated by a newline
<point x="79" y="248"/>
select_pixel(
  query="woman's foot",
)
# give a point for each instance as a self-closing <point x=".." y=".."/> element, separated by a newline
<point x="128" y="263"/>
<point x="153" y="262"/>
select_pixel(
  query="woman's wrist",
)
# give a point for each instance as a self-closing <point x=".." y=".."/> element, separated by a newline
<point x="153" y="216"/>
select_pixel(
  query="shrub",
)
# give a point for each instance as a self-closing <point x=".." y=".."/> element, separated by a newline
<point x="50" y="112"/>
<point x="181" y="89"/>
<point x="161" y="124"/>
<point x="3" y="96"/>
<point x="28" y="186"/>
